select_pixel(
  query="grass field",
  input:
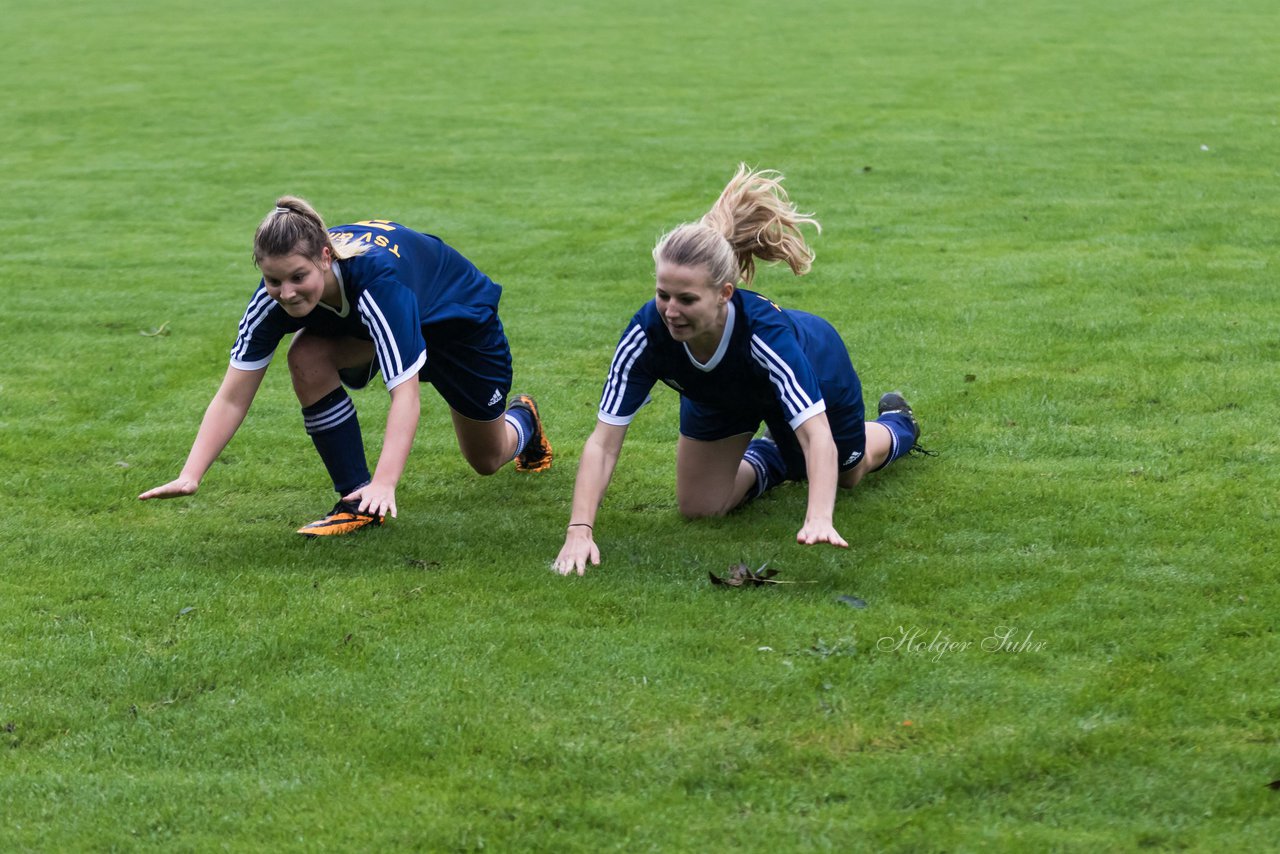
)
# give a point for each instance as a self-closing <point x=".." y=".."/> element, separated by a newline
<point x="1054" y="226"/>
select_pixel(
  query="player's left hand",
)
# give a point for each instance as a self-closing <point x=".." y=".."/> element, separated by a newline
<point x="375" y="499"/>
<point x="579" y="550"/>
<point x="820" y="531"/>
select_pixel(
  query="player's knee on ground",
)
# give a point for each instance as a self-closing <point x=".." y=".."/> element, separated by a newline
<point x="485" y="463"/>
<point x="701" y="506"/>
<point x="849" y="479"/>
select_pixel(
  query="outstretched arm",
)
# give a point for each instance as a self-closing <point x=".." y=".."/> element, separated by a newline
<point x="823" y="467"/>
<point x="221" y="420"/>
<point x="378" y="497"/>
<point x="599" y="457"/>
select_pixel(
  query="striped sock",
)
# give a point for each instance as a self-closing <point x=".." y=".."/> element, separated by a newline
<point x="902" y="434"/>
<point x="334" y="429"/>
<point x="522" y="421"/>
<point x="763" y="456"/>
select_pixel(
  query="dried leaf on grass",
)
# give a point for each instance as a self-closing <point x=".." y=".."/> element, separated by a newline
<point x="741" y="575"/>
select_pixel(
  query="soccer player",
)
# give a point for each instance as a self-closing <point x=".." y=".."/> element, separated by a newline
<point x="362" y="298"/>
<point x="738" y="360"/>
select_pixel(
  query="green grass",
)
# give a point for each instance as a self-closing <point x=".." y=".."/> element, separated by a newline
<point x="1052" y="225"/>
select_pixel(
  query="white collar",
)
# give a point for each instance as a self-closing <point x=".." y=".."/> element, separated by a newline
<point x="342" y="289"/>
<point x="710" y="364"/>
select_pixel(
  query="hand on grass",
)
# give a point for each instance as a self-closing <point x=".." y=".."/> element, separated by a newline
<point x="820" y="531"/>
<point x="172" y="489"/>
<point x="375" y="499"/>
<point x="579" y="549"/>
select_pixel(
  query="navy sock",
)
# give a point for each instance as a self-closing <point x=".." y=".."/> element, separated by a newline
<point x="522" y="420"/>
<point x="763" y="456"/>
<point x="903" y="434"/>
<point x="331" y="422"/>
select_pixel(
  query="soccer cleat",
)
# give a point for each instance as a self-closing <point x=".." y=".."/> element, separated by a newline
<point x="344" y="518"/>
<point x="893" y="401"/>
<point x="537" y="454"/>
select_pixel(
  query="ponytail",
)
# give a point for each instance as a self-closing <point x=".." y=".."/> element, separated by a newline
<point x="295" y="228"/>
<point x="753" y="218"/>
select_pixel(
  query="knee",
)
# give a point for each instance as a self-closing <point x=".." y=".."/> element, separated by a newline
<point x="851" y="478"/>
<point x="697" y="507"/>
<point x="312" y="368"/>
<point x="485" y="465"/>
<point x="305" y="354"/>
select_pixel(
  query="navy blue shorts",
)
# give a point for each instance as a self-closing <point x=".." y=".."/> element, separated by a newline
<point x="468" y="363"/>
<point x="847" y="428"/>
<point x="841" y="390"/>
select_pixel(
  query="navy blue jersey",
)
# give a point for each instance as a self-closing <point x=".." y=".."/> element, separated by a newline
<point x="772" y="365"/>
<point x="405" y="280"/>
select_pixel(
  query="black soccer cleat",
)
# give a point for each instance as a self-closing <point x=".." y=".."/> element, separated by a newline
<point x="893" y="401"/>
<point x="537" y="454"/>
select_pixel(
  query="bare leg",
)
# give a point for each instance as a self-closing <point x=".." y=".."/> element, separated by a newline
<point x="486" y="445"/>
<point x="711" y="477"/>
<point x="314" y="362"/>
<point x="879" y="444"/>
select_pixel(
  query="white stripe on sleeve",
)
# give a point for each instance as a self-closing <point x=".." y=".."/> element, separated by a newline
<point x="793" y="396"/>
<point x="259" y="307"/>
<point x="629" y="350"/>
<point x="393" y="381"/>
<point x="384" y="342"/>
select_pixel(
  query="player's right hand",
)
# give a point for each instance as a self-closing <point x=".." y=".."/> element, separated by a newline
<point x="172" y="489"/>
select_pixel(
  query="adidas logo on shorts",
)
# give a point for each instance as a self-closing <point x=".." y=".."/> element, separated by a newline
<point x="853" y="458"/>
<point x="497" y="396"/>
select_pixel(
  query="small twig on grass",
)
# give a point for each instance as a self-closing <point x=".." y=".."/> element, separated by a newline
<point x="162" y="329"/>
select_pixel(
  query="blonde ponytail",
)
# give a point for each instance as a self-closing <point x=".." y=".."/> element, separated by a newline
<point x="296" y="228"/>
<point x="753" y="218"/>
<point x="293" y="228"/>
